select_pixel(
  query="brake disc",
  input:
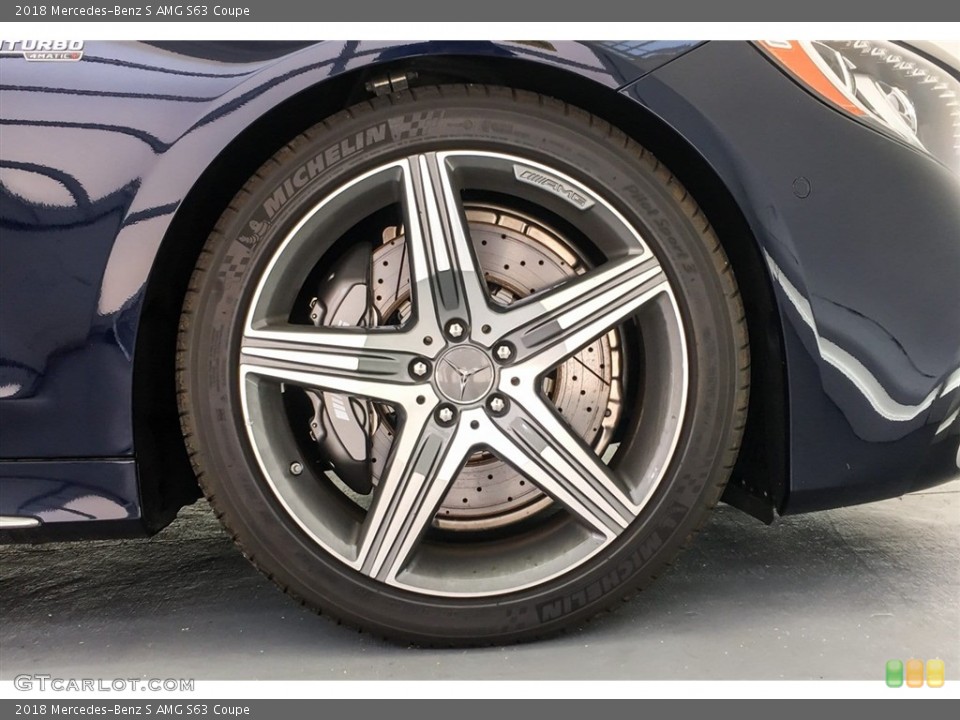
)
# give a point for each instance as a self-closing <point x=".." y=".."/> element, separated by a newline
<point x="519" y="257"/>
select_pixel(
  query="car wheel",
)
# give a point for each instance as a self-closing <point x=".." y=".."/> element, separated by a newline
<point x="462" y="365"/>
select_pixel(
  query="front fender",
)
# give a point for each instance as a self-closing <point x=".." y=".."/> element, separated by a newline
<point x="98" y="156"/>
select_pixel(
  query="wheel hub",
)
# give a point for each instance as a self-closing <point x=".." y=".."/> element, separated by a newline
<point x="464" y="374"/>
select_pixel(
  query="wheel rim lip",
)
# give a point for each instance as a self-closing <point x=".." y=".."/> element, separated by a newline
<point x="249" y="400"/>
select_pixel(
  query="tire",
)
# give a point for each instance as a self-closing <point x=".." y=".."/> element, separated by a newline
<point x="384" y="541"/>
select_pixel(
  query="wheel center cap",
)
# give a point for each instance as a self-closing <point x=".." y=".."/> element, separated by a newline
<point x="464" y="374"/>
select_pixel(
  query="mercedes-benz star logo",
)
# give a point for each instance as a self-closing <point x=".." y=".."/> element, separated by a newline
<point x="464" y="374"/>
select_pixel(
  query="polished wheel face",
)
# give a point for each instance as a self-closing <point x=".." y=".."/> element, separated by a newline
<point x="463" y="373"/>
<point x="517" y="255"/>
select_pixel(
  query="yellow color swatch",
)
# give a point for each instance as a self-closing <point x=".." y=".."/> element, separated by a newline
<point x="935" y="673"/>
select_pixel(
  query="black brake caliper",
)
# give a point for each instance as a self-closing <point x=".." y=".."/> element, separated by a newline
<point x="342" y="424"/>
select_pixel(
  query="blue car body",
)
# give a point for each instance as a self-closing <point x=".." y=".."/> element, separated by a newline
<point x="845" y="241"/>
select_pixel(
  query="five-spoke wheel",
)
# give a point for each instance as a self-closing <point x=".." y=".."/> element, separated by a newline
<point x="463" y="373"/>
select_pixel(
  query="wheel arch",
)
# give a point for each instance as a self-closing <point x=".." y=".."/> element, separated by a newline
<point x="167" y="482"/>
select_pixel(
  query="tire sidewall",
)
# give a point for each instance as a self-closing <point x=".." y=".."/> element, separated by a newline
<point x="324" y="158"/>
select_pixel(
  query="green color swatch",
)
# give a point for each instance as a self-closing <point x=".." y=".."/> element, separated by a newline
<point x="894" y="673"/>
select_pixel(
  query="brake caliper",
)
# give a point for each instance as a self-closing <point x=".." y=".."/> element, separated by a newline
<point x="343" y="424"/>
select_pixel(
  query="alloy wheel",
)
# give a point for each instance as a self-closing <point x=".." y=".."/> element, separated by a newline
<point x="465" y="374"/>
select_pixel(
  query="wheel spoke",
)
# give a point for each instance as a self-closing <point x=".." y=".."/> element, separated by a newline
<point x="446" y="282"/>
<point x="356" y="363"/>
<point x="424" y="461"/>
<point x="543" y="448"/>
<point x="555" y="326"/>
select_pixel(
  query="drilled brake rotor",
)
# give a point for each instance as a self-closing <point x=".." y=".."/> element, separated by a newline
<point x="519" y="257"/>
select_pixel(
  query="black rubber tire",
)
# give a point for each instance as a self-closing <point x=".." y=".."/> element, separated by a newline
<point x="485" y="117"/>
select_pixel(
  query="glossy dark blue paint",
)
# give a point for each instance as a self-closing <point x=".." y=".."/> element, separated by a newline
<point x="866" y="267"/>
<point x="97" y="157"/>
<point x="98" y="496"/>
<point x="117" y="141"/>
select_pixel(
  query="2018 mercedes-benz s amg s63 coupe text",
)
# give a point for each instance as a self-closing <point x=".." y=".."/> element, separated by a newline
<point x="463" y="341"/>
